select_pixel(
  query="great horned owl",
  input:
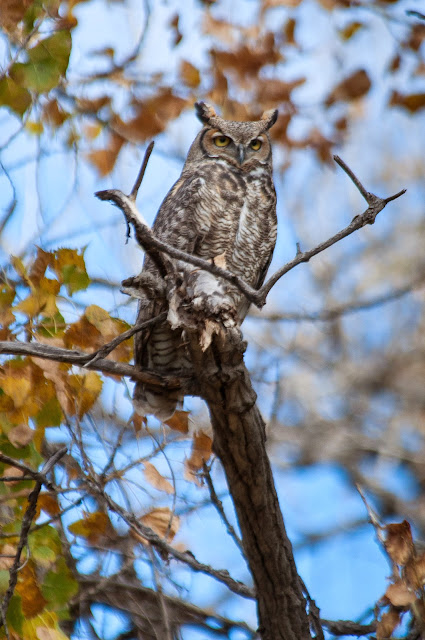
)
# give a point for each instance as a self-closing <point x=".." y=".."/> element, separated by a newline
<point x="223" y="204"/>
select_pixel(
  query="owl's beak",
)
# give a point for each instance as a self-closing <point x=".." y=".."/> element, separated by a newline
<point x="241" y="153"/>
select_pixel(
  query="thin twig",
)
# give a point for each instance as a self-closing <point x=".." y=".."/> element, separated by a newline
<point x="219" y="507"/>
<point x="222" y="575"/>
<point x="106" y="349"/>
<point x="136" y="187"/>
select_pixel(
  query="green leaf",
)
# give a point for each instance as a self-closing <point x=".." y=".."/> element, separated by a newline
<point x="50" y="415"/>
<point x="75" y="279"/>
<point x="16" y="97"/>
<point x="59" y="585"/>
<point x="48" y="61"/>
<point x="15" y="617"/>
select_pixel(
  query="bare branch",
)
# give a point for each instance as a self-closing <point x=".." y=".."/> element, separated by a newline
<point x="186" y="557"/>
<point x="376" y="204"/>
<point x="348" y="628"/>
<point x="147" y="240"/>
<point x="81" y="359"/>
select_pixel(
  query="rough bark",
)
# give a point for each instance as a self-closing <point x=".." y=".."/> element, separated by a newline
<point x="240" y="444"/>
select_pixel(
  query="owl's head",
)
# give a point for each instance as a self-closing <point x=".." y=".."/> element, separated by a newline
<point x="239" y="143"/>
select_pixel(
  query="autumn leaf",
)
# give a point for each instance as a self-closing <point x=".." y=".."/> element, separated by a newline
<point x="70" y="268"/>
<point x="386" y="625"/>
<point x="104" y="159"/>
<point x="179" y="421"/>
<point x="13" y="96"/>
<point x="21" y="435"/>
<point x="154" y="478"/>
<point x="28" y="588"/>
<point x="201" y="453"/>
<point x="92" y="527"/>
<point x="163" y="521"/>
<point x="189" y="74"/>
<point x="399" y="542"/>
<point x="399" y="594"/>
<point x="411" y="103"/>
<point x="353" y="87"/>
<point x="414" y="571"/>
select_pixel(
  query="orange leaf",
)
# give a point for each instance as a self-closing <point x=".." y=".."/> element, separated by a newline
<point x="32" y="599"/>
<point x="154" y="478"/>
<point x="189" y="74"/>
<point x="104" y="159"/>
<point x="411" y="103"/>
<point x="179" y="421"/>
<point x="201" y="451"/>
<point x="49" y="503"/>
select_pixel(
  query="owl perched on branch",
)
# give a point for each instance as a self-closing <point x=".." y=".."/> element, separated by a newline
<point x="223" y="208"/>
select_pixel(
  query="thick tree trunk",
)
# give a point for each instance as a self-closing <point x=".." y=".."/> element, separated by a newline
<point x="239" y="442"/>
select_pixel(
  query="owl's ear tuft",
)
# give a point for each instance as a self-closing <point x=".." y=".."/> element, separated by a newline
<point x="204" y="112"/>
<point x="269" y="117"/>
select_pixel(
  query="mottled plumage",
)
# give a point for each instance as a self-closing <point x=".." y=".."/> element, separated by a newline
<point x="223" y="204"/>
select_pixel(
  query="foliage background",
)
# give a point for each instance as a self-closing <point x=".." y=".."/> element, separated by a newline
<point x="337" y="355"/>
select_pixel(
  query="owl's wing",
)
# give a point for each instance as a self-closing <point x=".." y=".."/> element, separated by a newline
<point x="180" y="222"/>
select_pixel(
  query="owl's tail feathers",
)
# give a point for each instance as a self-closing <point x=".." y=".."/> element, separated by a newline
<point x="162" y="404"/>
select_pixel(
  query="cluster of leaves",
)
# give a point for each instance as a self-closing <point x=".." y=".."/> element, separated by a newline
<point x="247" y="60"/>
<point x="406" y="591"/>
<point x="37" y="394"/>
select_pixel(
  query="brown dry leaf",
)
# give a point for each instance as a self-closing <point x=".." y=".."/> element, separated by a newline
<point x="154" y="478"/>
<point x="412" y="102"/>
<point x="386" y="625"/>
<point x="179" y="421"/>
<point x="85" y="390"/>
<point x="289" y="31"/>
<point x="399" y="594"/>
<point x="39" y="266"/>
<point x="101" y="320"/>
<point x="221" y="29"/>
<point x="152" y="116"/>
<point x="201" y="451"/>
<point x="83" y="334"/>
<point x="32" y="599"/>
<point x="53" y="114"/>
<point x="248" y="60"/>
<point x="162" y="521"/>
<point x="174" y="25"/>
<point x="12" y="12"/>
<point x="57" y="372"/>
<point x="49" y="503"/>
<point x="93" y="106"/>
<point x="416" y="37"/>
<point x="189" y="74"/>
<point x="104" y="159"/>
<point x="271" y="4"/>
<point x="349" y="31"/>
<point x="7" y="550"/>
<point x="272" y="92"/>
<point x="399" y="542"/>
<point x="12" y="472"/>
<point x="21" y="435"/>
<point x="355" y="86"/>
<point x="414" y="571"/>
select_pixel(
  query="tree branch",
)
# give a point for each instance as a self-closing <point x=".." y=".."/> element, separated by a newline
<point x="82" y="359"/>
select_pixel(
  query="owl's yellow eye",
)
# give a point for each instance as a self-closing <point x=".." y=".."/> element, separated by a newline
<point x="221" y="141"/>
<point x="255" y="144"/>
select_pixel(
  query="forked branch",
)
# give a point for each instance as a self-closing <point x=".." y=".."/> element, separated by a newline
<point x="157" y="248"/>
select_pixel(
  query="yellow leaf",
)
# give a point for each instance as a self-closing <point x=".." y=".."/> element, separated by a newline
<point x="101" y="320"/>
<point x="189" y="74"/>
<point x="16" y="388"/>
<point x="36" y="128"/>
<point x="154" y="478"/>
<point x="87" y="389"/>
